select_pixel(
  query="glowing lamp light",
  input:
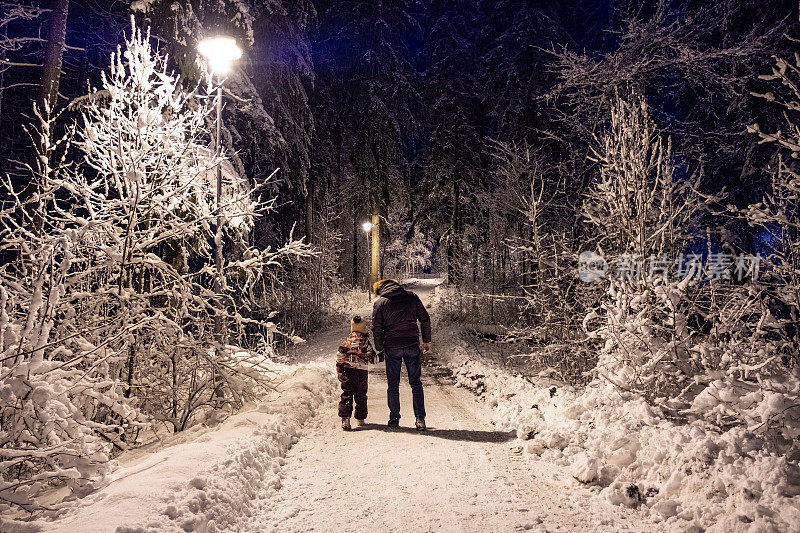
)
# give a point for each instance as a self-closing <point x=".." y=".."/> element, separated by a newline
<point x="367" y="226"/>
<point x="220" y="52"/>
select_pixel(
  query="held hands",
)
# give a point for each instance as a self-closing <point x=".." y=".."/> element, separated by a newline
<point x="380" y="357"/>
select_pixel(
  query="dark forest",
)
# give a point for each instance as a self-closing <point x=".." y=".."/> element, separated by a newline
<point x="606" y="192"/>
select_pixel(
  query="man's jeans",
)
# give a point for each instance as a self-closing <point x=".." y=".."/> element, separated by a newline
<point x="394" y="360"/>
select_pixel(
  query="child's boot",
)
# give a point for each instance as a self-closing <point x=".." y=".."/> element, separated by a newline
<point x="346" y="424"/>
<point x="360" y="422"/>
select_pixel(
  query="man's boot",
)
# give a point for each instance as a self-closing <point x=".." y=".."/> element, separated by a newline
<point x="421" y="424"/>
<point x="346" y="424"/>
<point x="394" y="423"/>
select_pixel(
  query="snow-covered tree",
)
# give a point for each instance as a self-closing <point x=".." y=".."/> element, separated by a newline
<point x="10" y="13"/>
<point x="642" y="213"/>
<point x="454" y="145"/>
<point x="694" y="62"/>
<point x="638" y="204"/>
<point x="107" y="315"/>
<point x="410" y="251"/>
<point x="693" y="342"/>
<point x="779" y="211"/>
<point x="365" y="48"/>
<point x="272" y="126"/>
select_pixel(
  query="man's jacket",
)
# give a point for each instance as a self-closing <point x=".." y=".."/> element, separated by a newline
<point x="394" y="318"/>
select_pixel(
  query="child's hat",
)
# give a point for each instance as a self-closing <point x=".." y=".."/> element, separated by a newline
<point x="358" y="324"/>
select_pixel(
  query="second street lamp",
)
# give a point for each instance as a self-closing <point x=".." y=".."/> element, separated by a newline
<point x="220" y="52"/>
<point x="367" y="227"/>
<point x="372" y="228"/>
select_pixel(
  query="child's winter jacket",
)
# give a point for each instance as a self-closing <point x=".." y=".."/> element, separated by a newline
<point x="356" y="351"/>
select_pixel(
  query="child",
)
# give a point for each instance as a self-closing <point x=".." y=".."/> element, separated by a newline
<point x="355" y="356"/>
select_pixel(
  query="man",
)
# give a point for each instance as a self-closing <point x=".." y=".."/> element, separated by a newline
<point x="394" y="328"/>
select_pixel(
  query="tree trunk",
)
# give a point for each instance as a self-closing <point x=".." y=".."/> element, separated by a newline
<point x="536" y="257"/>
<point x="131" y="367"/>
<point x="475" y="263"/>
<point x="503" y="265"/>
<point x="453" y="268"/>
<point x="309" y="211"/>
<point x="3" y="74"/>
<point x="526" y="254"/>
<point x="46" y="101"/>
<point x="53" y="54"/>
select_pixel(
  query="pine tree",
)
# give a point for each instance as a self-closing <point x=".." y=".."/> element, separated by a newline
<point x="454" y="147"/>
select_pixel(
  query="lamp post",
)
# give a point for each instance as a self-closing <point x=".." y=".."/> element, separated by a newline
<point x="220" y="52"/>
<point x="367" y="227"/>
<point x="373" y="229"/>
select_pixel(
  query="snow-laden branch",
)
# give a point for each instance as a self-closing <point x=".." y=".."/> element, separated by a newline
<point x="107" y="315"/>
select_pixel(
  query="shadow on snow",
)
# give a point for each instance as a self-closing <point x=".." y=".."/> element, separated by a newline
<point x="447" y="434"/>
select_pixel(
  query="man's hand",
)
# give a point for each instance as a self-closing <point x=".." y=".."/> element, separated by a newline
<point x="426" y="347"/>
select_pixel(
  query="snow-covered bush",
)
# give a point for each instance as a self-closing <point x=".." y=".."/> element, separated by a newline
<point x="761" y="385"/>
<point x="691" y="476"/>
<point x="61" y="410"/>
<point x="699" y="346"/>
<point x="641" y="210"/>
<point x="107" y="314"/>
<point x="645" y="339"/>
<point x="548" y="319"/>
<point x="778" y="214"/>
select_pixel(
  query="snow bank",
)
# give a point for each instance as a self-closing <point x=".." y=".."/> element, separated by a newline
<point x="422" y="282"/>
<point x="205" y="479"/>
<point x="691" y="477"/>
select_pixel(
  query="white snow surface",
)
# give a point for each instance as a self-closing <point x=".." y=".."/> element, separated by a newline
<point x="522" y="454"/>
<point x="206" y="478"/>
<point x="462" y="474"/>
<point x="690" y="477"/>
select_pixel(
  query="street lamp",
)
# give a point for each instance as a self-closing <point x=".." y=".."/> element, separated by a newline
<point x="367" y="227"/>
<point x="373" y="229"/>
<point x="220" y="52"/>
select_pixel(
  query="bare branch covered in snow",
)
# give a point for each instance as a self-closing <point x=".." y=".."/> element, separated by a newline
<point x="106" y="318"/>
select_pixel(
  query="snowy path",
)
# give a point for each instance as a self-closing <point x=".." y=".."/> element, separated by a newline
<point x="460" y="475"/>
<point x="284" y="464"/>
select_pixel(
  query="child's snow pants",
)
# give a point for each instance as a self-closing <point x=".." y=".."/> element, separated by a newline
<point x="354" y="385"/>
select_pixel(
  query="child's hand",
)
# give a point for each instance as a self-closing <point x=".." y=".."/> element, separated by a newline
<point x="426" y="347"/>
